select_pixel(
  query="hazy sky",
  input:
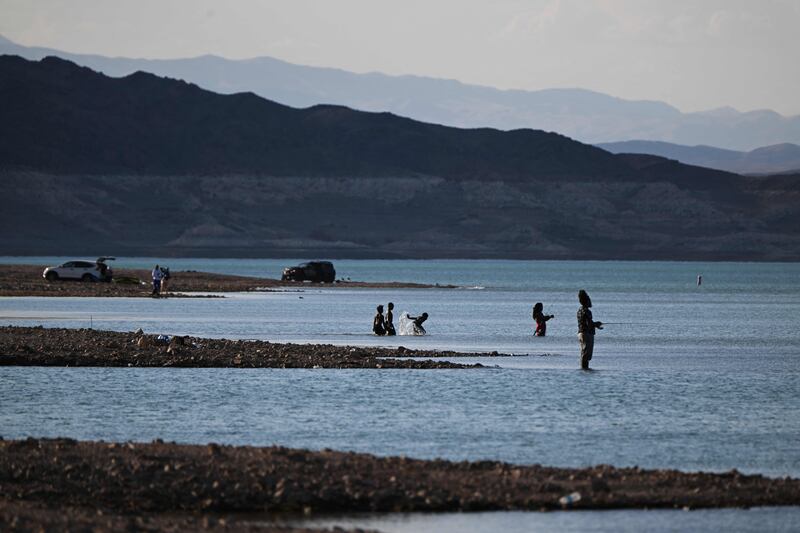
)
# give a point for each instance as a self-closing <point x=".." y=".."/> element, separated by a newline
<point x="694" y="54"/>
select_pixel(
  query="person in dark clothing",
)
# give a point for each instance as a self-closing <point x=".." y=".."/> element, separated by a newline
<point x="103" y="268"/>
<point x="378" y="325"/>
<point x="164" y="281"/>
<point x="390" y="320"/>
<point x="541" y="319"/>
<point x="586" y="328"/>
<point x="418" y="321"/>
<point x="156" y="275"/>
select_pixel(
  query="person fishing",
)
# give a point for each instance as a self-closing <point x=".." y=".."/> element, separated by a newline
<point x="541" y="319"/>
<point x="586" y="328"/>
<point x="378" y="324"/>
<point x="389" y="322"/>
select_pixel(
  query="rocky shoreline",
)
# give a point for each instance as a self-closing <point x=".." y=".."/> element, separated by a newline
<point x="39" y="346"/>
<point x="27" y="280"/>
<point x="34" y="516"/>
<point x="198" y="485"/>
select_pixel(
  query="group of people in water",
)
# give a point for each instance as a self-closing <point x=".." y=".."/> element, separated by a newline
<point x="409" y="325"/>
<point x="587" y="326"/>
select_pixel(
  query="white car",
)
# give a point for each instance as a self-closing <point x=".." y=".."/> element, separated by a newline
<point x="82" y="270"/>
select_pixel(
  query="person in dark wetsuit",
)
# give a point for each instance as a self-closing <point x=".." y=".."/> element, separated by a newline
<point x="389" y="322"/>
<point x="418" y="321"/>
<point x="541" y="319"/>
<point x="586" y="328"/>
<point x="378" y="325"/>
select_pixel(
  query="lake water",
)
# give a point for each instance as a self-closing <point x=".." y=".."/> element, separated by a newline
<point x="686" y="377"/>
<point x="756" y="520"/>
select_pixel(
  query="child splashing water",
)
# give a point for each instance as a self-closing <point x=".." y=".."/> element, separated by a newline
<point x="412" y="325"/>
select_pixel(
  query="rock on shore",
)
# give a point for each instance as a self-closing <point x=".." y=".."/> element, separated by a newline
<point x="38" y="346"/>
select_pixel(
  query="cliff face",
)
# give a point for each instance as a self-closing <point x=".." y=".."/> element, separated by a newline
<point x="144" y="165"/>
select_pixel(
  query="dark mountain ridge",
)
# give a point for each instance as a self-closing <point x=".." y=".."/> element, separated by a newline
<point x="65" y="118"/>
<point x="143" y="165"/>
<point x="581" y="114"/>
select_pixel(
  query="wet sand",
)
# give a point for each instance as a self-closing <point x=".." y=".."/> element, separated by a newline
<point x="39" y="346"/>
<point x="194" y="484"/>
<point x="27" y="280"/>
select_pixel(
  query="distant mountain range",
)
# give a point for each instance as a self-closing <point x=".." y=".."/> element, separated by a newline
<point x="779" y="158"/>
<point x="587" y="116"/>
<point x="63" y="118"/>
<point x="143" y="165"/>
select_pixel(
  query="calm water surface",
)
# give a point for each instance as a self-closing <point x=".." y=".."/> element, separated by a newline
<point x="687" y="377"/>
<point x="755" y="520"/>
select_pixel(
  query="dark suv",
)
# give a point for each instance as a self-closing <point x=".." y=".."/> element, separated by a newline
<point x="316" y="271"/>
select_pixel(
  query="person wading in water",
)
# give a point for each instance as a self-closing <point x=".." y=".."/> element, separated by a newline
<point x="378" y="325"/>
<point x="541" y="319"/>
<point x="586" y="328"/>
<point x="418" y="321"/>
<point x="389" y="322"/>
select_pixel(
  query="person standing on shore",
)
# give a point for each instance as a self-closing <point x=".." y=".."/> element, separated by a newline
<point x="157" y="275"/>
<point x="390" y="320"/>
<point x="586" y="328"/>
<point x="378" y="325"/>
<point x="164" y="281"/>
<point x="541" y="319"/>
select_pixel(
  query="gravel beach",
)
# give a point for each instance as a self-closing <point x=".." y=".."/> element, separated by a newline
<point x="27" y="280"/>
<point x="39" y="346"/>
<point x="166" y="480"/>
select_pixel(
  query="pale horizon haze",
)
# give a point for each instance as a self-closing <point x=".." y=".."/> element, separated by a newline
<point x="694" y="55"/>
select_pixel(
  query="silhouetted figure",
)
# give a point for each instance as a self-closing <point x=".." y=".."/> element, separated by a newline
<point x="541" y="319"/>
<point x="586" y="327"/>
<point x="418" y="321"/>
<point x="390" y="320"/>
<point x="699" y="282"/>
<point x="378" y="325"/>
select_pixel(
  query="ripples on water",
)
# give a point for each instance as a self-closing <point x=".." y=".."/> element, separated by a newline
<point x="687" y="377"/>
<point x="559" y="417"/>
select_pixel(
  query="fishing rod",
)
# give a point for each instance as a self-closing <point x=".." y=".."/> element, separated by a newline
<point x="629" y="324"/>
